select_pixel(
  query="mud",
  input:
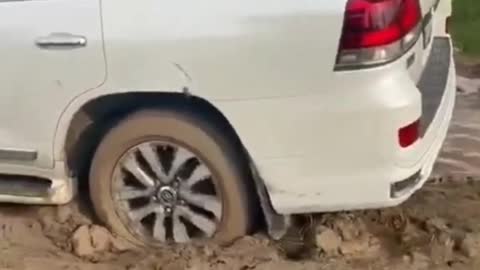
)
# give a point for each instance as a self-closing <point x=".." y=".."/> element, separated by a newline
<point x="438" y="228"/>
<point x="467" y="66"/>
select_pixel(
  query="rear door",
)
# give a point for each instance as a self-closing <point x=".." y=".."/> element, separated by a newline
<point x="50" y="52"/>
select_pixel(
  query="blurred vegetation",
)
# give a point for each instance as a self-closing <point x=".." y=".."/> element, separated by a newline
<point x="466" y="26"/>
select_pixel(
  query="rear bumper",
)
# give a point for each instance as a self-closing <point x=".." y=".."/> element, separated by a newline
<point x="397" y="173"/>
<point x="338" y="149"/>
<point x="437" y="86"/>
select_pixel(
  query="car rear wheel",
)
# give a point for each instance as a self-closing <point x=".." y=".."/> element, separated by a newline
<point x="166" y="177"/>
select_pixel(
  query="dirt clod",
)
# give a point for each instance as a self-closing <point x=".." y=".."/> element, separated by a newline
<point x="64" y="212"/>
<point x="81" y="242"/>
<point x="100" y="238"/>
<point x="470" y="245"/>
<point x="353" y="247"/>
<point x="328" y="240"/>
<point x="367" y="246"/>
<point x="91" y="241"/>
<point x="435" y="224"/>
<point x="348" y="229"/>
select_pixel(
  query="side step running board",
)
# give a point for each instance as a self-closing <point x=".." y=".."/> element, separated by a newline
<point x="25" y="186"/>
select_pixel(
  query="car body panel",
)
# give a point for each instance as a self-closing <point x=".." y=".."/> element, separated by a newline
<point x="319" y="181"/>
<point x="220" y="52"/>
<point x="38" y="83"/>
<point x="230" y="50"/>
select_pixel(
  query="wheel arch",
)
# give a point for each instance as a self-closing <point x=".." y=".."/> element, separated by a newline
<point x="91" y="119"/>
<point x="101" y="110"/>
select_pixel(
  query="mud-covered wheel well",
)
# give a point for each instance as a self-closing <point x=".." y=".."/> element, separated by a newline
<point x="95" y="118"/>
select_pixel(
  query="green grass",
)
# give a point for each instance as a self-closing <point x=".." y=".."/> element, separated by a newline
<point x="466" y="26"/>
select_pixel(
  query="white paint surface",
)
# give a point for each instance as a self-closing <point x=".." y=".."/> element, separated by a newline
<point x="322" y="140"/>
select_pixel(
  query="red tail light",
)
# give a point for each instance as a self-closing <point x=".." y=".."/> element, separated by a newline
<point x="378" y="31"/>
<point x="409" y="134"/>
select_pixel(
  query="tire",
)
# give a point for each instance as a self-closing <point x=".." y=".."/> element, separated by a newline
<point x="224" y="160"/>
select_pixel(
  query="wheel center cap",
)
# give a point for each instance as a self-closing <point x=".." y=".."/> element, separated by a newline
<point x="167" y="195"/>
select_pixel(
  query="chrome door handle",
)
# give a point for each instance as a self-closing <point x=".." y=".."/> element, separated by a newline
<point x="61" y="41"/>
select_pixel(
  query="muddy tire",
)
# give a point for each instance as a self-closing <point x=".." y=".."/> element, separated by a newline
<point x="225" y="162"/>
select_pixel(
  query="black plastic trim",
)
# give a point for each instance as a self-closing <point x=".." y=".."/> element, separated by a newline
<point x="397" y="189"/>
<point x="25" y="186"/>
<point x="434" y="79"/>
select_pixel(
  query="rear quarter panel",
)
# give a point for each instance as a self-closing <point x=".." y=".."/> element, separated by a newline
<point x="222" y="50"/>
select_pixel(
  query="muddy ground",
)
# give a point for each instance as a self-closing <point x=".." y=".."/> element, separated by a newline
<point x="438" y="228"/>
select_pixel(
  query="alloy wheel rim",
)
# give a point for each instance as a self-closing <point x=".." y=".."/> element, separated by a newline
<point x="164" y="193"/>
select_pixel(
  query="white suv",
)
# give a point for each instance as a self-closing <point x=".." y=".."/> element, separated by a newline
<point x="190" y="119"/>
